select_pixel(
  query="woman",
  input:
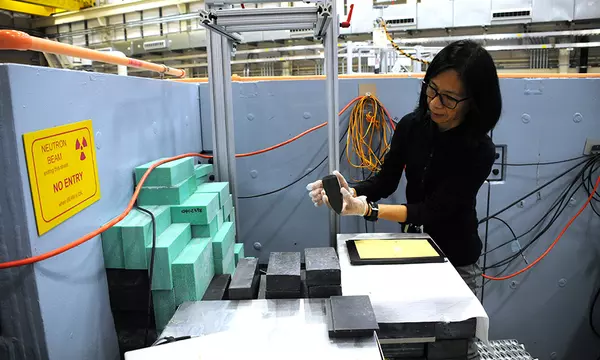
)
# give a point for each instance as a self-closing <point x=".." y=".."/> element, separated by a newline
<point x="445" y="151"/>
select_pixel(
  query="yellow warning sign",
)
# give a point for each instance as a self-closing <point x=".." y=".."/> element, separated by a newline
<point x="62" y="172"/>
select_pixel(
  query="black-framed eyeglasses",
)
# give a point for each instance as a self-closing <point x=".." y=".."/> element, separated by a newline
<point x="446" y="100"/>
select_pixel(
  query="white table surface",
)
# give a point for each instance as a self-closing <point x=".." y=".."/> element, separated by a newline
<point x="410" y="293"/>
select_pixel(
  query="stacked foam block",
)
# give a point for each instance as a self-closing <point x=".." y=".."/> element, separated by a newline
<point x="195" y="234"/>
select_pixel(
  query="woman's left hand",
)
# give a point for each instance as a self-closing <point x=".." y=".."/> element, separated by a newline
<point x="351" y="205"/>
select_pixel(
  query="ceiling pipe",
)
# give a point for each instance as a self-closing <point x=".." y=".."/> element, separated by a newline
<point x="17" y="40"/>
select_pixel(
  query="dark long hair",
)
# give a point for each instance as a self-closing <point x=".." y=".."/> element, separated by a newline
<point x="478" y="74"/>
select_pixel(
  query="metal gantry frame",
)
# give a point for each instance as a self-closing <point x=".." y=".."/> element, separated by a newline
<point x="224" y="24"/>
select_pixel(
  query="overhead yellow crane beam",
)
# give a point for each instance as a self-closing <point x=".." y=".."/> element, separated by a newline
<point x="70" y="5"/>
<point x="44" y="7"/>
<point x="30" y="9"/>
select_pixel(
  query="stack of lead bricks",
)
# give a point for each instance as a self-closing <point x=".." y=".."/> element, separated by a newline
<point x="195" y="234"/>
<point x="283" y="276"/>
<point x="426" y="341"/>
<point x="323" y="276"/>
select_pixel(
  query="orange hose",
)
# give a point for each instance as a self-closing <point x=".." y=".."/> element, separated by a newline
<point x="237" y="78"/>
<point x="17" y="40"/>
<point x="499" y="278"/>
<point x="91" y="235"/>
<point x="297" y="136"/>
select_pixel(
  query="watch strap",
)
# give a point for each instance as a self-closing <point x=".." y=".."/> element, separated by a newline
<point x="373" y="213"/>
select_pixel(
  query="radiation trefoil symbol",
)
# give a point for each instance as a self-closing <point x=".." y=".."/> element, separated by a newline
<point x="80" y="146"/>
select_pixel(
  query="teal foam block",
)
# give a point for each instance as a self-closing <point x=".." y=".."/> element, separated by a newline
<point x="168" y="174"/>
<point x="202" y="170"/>
<point x="228" y="207"/>
<point x="210" y="230"/>
<point x="112" y="248"/>
<point x="227" y="264"/>
<point x="232" y="216"/>
<point x="164" y="195"/>
<point x="137" y="234"/>
<point x="220" y="219"/>
<point x="199" y="209"/>
<point x="202" y="180"/>
<point x="164" y="307"/>
<point x="223" y="240"/>
<point x="168" y="246"/>
<point x="238" y="250"/>
<point x="193" y="270"/>
<point x="221" y="188"/>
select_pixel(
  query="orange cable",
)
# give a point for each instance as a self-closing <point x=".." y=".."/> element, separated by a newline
<point x="593" y="192"/>
<point x="130" y="205"/>
<point x="299" y="135"/>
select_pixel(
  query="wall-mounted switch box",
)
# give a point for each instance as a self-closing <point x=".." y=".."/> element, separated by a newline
<point x="592" y="147"/>
<point x="498" y="170"/>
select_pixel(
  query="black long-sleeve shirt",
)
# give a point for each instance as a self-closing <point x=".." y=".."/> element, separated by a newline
<point x="444" y="171"/>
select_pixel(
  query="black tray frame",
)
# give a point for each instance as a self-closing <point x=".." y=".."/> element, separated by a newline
<point x="355" y="259"/>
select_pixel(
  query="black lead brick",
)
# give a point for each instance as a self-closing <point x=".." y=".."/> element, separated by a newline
<point x="456" y="330"/>
<point x="403" y="351"/>
<point x="283" y="272"/>
<point x="244" y="283"/>
<point x="217" y="288"/>
<point x="447" y="349"/>
<point x="324" y="291"/>
<point x="322" y="266"/>
<point x="406" y="330"/>
<point x="262" y="287"/>
<point x="352" y="316"/>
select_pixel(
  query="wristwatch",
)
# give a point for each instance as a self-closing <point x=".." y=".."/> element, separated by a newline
<point x="373" y="214"/>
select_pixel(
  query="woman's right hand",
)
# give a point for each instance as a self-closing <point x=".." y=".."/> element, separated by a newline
<point x="315" y="189"/>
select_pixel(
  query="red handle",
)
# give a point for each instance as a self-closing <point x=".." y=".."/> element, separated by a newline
<point x="346" y="24"/>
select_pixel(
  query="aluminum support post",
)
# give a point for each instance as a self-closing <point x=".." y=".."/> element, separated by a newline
<point x="417" y="64"/>
<point x="349" y="58"/>
<point x="219" y="79"/>
<point x="332" y="89"/>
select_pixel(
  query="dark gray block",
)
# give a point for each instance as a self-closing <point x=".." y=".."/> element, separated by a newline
<point x="406" y="330"/>
<point x="456" y="330"/>
<point x="244" y="283"/>
<point x="283" y="272"/>
<point x="324" y="291"/>
<point x="262" y="287"/>
<point x="217" y="288"/>
<point x="352" y="316"/>
<point x="322" y="266"/>
<point x="447" y="349"/>
<point x="403" y="351"/>
<point x="283" y="294"/>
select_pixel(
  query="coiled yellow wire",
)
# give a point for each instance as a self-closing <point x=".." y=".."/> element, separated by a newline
<point x="370" y="133"/>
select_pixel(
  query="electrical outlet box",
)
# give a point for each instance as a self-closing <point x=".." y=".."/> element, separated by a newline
<point x="498" y="170"/>
<point x="592" y="146"/>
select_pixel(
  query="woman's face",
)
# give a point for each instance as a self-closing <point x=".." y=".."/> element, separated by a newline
<point x="445" y="99"/>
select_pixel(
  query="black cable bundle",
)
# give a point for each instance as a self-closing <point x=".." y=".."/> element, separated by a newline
<point x="583" y="178"/>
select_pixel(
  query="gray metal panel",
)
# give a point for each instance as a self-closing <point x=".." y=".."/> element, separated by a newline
<point x="555" y="312"/>
<point x="135" y="120"/>
<point x="586" y="9"/>
<point x="22" y="334"/>
<point x="435" y="14"/>
<point x="553" y="10"/>
<point x="472" y="12"/>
